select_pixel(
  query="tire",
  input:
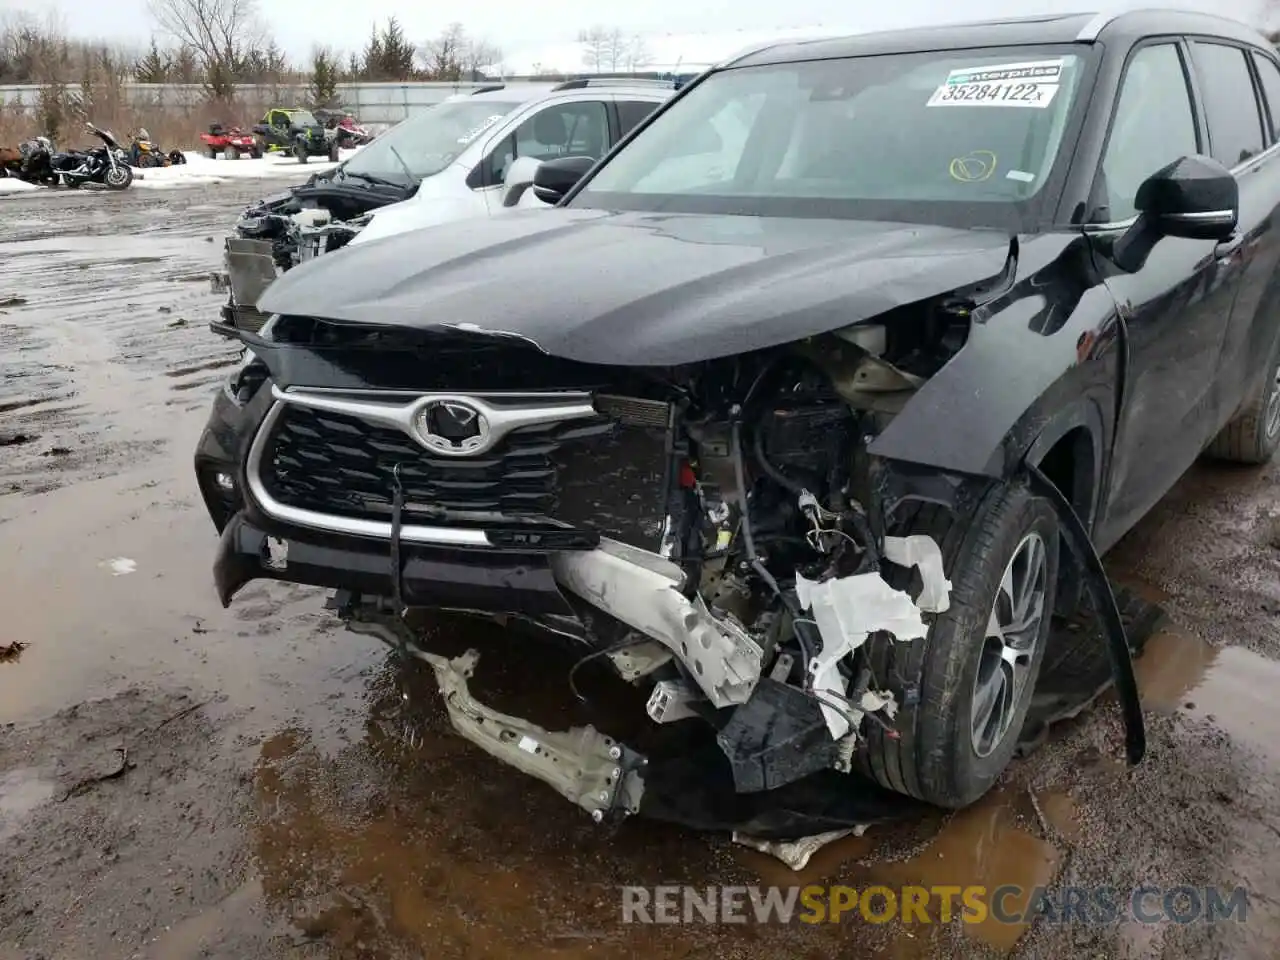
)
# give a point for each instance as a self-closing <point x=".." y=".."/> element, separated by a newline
<point x="256" y="153"/>
<point x="300" y="151"/>
<point x="118" y="178"/>
<point x="212" y="153"/>
<point x="233" y="153"/>
<point x="333" y="152"/>
<point x="1253" y="435"/>
<point x="937" y="758"/>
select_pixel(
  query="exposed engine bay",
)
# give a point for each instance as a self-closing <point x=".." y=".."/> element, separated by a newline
<point x="750" y="605"/>
<point x="309" y="221"/>
<point x="277" y="233"/>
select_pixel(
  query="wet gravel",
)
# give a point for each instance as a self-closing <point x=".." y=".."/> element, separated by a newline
<point x="180" y="781"/>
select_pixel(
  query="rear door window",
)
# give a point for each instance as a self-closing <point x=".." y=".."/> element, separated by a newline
<point x="1269" y="74"/>
<point x="631" y="112"/>
<point x="1230" y="104"/>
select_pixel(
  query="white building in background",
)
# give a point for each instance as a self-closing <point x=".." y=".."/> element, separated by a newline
<point x="619" y="51"/>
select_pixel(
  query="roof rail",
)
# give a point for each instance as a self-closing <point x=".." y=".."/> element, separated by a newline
<point x="1100" y="21"/>
<point x="488" y="88"/>
<point x="613" y="80"/>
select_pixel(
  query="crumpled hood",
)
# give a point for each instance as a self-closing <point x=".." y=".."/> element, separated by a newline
<point x="641" y="289"/>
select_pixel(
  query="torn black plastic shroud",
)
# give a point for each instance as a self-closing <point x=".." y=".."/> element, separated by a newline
<point x="695" y="787"/>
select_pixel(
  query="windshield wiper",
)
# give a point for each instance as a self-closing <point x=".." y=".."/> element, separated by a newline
<point x="370" y="178"/>
<point x="407" y="172"/>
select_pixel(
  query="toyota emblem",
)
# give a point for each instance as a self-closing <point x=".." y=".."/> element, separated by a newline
<point x="452" y="427"/>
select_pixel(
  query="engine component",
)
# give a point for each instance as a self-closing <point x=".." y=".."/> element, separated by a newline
<point x="671" y="700"/>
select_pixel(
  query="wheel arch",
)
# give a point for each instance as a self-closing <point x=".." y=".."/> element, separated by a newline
<point x="1069" y="451"/>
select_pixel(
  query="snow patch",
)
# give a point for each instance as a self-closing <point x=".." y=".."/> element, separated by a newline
<point x="13" y="185"/>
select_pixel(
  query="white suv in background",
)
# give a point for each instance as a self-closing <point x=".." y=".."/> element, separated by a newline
<point x="470" y="156"/>
<point x="577" y="118"/>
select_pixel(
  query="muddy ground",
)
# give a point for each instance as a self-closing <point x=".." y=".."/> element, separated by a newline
<point x="180" y="781"/>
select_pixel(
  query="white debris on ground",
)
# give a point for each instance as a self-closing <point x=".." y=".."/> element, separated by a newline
<point x="119" y="566"/>
<point x="796" y="853"/>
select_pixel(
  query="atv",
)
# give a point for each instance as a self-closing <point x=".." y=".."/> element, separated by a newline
<point x="231" y="141"/>
<point x="297" y="132"/>
<point x="145" y="152"/>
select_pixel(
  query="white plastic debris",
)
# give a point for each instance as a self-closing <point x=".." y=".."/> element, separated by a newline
<point x="847" y="610"/>
<point x="796" y="853"/>
<point x="119" y="566"/>
<point x="922" y="552"/>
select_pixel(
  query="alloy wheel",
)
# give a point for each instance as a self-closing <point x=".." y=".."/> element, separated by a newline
<point x="1009" y="646"/>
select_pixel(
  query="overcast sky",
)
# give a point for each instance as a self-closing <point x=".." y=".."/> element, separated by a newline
<point x="520" y="24"/>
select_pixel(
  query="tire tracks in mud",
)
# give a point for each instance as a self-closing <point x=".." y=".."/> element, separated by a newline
<point x="104" y="292"/>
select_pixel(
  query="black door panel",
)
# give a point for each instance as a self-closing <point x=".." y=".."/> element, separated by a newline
<point x="1175" y="309"/>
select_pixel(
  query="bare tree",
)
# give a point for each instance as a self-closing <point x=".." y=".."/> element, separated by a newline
<point x="637" y="55"/>
<point x="615" y="49"/>
<point x="596" y="42"/>
<point x="218" y="32"/>
<point x="480" y="53"/>
<point x="456" y="55"/>
<point x="443" y="56"/>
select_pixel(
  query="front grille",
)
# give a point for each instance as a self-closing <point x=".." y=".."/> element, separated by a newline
<point x="598" y="476"/>
<point x="247" y="318"/>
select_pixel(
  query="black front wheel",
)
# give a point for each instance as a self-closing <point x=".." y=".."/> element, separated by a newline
<point x="964" y="690"/>
<point x="118" y="177"/>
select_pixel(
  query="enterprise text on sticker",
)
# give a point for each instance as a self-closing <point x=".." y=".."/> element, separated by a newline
<point x="1032" y="84"/>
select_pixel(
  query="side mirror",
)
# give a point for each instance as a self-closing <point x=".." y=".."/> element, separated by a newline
<point x="554" y="178"/>
<point x="1195" y="198"/>
<point x="519" y="178"/>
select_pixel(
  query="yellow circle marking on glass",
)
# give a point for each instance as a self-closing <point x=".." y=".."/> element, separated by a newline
<point x="973" y="167"/>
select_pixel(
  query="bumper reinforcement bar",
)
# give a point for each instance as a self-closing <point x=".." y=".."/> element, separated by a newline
<point x="599" y="774"/>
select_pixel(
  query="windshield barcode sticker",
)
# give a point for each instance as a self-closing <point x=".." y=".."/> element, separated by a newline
<point x="1032" y="84"/>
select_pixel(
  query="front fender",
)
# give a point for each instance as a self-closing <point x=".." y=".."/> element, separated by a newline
<point x="1038" y="361"/>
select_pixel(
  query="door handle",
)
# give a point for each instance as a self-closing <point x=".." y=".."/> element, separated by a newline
<point x="1228" y="248"/>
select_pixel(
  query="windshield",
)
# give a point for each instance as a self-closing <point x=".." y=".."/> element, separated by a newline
<point x="302" y="118"/>
<point x="965" y="135"/>
<point x="429" y="142"/>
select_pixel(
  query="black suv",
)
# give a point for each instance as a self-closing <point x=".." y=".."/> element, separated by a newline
<point x="817" y="396"/>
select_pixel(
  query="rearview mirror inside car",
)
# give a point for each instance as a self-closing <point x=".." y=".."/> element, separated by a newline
<point x="555" y="178"/>
<point x="1195" y="198"/>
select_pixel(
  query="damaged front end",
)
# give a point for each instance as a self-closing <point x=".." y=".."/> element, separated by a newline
<point x="718" y="529"/>
<point x="276" y="234"/>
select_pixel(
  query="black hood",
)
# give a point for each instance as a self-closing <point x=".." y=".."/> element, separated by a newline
<point x="639" y="289"/>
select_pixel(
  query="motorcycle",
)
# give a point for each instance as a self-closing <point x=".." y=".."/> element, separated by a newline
<point x="31" y="161"/>
<point x="107" y="164"/>
<point x="143" y="152"/>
